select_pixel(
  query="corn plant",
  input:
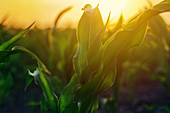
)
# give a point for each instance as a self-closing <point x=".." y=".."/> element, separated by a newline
<point x="157" y="43"/>
<point x="94" y="62"/>
<point x="5" y="53"/>
<point x="134" y="60"/>
<point x="56" y="48"/>
<point x="4" y="57"/>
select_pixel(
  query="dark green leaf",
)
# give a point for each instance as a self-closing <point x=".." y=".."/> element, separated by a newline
<point x="19" y="49"/>
<point x="50" y="98"/>
<point x="66" y="98"/>
<point x="44" y="105"/>
<point x="28" y="80"/>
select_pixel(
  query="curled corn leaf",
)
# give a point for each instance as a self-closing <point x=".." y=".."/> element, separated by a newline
<point x="101" y="69"/>
<point x="40" y="79"/>
<point x="89" y="26"/>
<point x="49" y="98"/>
<point x="19" y="49"/>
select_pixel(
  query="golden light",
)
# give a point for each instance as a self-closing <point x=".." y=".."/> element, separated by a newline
<point x="115" y="6"/>
<point x="22" y="12"/>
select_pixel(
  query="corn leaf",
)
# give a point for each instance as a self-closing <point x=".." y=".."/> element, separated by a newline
<point x="44" y="105"/>
<point x="40" y="79"/>
<point x="49" y="96"/>
<point x="131" y="28"/>
<point x="17" y="37"/>
<point x="130" y="37"/>
<point x="156" y="24"/>
<point x="4" y="53"/>
<point x="66" y="103"/>
<point x="132" y="33"/>
<point x="127" y="37"/>
<point x="28" y="80"/>
<point x="60" y="15"/>
<point x="19" y="49"/>
<point x="96" y="45"/>
<point x="89" y="105"/>
<point x="89" y="26"/>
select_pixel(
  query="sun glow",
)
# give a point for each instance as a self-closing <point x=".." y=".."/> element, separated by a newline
<point x="22" y="13"/>
<point x="118" y="8"/>
<point x="115" y="6"/>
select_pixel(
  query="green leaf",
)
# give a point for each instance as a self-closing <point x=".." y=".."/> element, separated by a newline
<point x="107" y="71"/>
<point x="39" y="78"/>
<point x="88" y="105"/>
<point x="50" y="98"/>
<point x="66" y="102"/>
<point x="94" y="49"/>
<point x="89" y="26"/>
<point x="122" y="41"/>
<point x="60" y="15"/>
<point x="4" y="53"/>
<point x="95" y="105"/>
<point x="156" y="24"/>
<point x="20" y="35"/>
<point x="102" y="72"/>
<point x="28" y="80"/>
<point x="117" y="25"/>
<point x="96" y="45"/>
<point x="132" y="34"/>
<point x="19" y="49"/>
<point x="44" y="105"/>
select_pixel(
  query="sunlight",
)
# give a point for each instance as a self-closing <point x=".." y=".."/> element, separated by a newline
<point x="44" y="11"/>
<point x="115" y="6"/>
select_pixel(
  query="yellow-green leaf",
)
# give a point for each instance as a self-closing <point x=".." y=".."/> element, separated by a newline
<point x="20" y="35"/>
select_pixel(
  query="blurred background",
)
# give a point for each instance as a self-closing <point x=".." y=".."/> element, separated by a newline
<point x="21" y="13"/>
<point x="144" y="82"/>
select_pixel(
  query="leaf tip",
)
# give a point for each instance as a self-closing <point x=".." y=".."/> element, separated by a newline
<point x="32" y="24"/>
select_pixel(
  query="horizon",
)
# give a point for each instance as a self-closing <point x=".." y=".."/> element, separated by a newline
<point x="22" y="13"/>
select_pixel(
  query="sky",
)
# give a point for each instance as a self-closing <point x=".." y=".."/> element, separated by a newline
<point x="22" y="13"/>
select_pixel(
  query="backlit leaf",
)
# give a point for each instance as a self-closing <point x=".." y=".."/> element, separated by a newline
<point x="20" y="35"/>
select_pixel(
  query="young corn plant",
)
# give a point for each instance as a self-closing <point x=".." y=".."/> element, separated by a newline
<point x="128" y="36"/>
<point x="6" y="52"/>
<point x="157" y="43"/>
<point x="56" y="49"/>
<point x="94" y="62"/>
<point x="134" y="59"/>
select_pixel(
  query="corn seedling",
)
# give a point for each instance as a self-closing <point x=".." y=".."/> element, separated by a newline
<point x="95" y="62"/>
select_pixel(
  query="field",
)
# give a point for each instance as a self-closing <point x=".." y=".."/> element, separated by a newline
<point x="98" y="67"/>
